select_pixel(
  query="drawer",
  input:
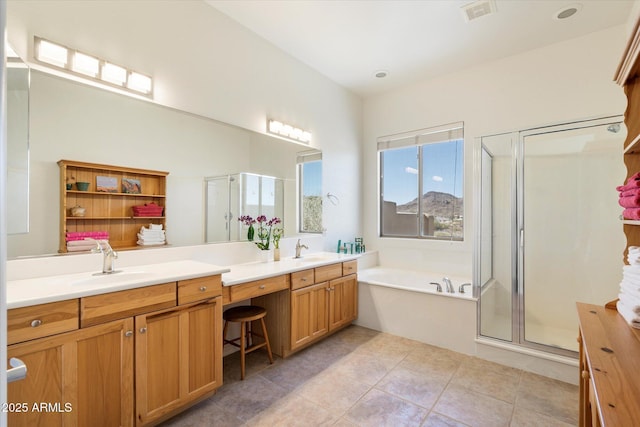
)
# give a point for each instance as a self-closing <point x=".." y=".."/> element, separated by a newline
<point x="259" y="287"/>
<point x="202" y="288"/>
<point x="301" y="279"/>
<point x="328" y="272"/>
<point x="349" y="267"/>
<point x="37" y="321"/>
<point x="118" y="305"/>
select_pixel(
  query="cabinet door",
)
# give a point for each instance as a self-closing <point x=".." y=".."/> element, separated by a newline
<point x="343" y="301"/>
<point x="76" y="379"/>
<point x="309" y="312"/>
<point x="178" y="357"/>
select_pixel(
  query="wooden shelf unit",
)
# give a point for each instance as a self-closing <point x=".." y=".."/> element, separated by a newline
<point x="105" y="211"/>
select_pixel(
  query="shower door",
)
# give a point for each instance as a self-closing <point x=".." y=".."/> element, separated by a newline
<point x="552" y="194"/>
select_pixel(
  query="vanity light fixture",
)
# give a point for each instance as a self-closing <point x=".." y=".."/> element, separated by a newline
<point x="52" y="53"/>
<point x="284" y="130"/>
<point x="85" y="64"/>
<point x="90" y="67"/>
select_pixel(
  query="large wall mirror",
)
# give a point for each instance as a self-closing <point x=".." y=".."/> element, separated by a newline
<point x="17" y="146"/>
<point x="75" y="121"/>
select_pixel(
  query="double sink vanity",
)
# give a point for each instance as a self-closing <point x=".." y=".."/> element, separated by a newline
<point x="139" y="346"/>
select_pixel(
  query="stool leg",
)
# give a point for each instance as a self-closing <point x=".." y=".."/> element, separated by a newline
<point x="266" y="339"/>
<point x="224" y="333"/>
<point x="242" y="348"/>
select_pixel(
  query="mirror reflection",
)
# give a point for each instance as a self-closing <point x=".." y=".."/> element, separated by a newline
<point x="71" y="120"/>
<point x="17" y="146"/>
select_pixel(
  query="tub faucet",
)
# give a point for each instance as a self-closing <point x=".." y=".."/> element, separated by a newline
<point x="438" y="287"/>
<point x="108" y="255"/>
<point x="461" y="288"/>
<point x="299" y="248"/>
<point x="448" y="284"/>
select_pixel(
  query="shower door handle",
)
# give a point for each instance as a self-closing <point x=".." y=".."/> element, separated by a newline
<point x="522" y="237"/>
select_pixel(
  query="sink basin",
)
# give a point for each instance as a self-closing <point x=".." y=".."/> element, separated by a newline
<point x="117" y="277"/>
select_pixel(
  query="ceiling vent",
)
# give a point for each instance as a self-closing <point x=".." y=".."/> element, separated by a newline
<point x="478" y="9"/>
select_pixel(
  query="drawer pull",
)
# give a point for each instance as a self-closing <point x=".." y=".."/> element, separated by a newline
<point x="304" y="279"/>
<point x="128" y="333"/>
<point x="143" y="329"/>
<point x="36" y="323"/>
<point x="261" y="286"/>
<point x="203" y="288"/>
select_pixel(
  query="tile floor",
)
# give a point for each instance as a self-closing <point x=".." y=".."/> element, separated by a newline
<point x="361" y="377"/>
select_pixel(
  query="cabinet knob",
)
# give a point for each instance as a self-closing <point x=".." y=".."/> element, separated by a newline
<point x="261" y="286"/>
<point x="128" y="333"/>
<point x="304" y="279"/>
<point x="585" y="375"/>
<point x="36" y="323"/>
<point x="143" y="329"/>
<point x="203" y="288"/>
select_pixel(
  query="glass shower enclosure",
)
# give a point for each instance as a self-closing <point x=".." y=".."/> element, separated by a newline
<point x="548" y="231"/>
<point x="229" y="197"/>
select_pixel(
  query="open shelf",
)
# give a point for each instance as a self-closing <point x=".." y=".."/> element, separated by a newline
<point x="109" y="211"/>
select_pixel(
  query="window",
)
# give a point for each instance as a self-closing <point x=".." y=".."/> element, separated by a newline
<point x="421" y="183"/>
<point x="310" y="191"/>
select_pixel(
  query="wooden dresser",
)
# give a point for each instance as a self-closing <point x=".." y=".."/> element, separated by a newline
<point x="609" y="368"/>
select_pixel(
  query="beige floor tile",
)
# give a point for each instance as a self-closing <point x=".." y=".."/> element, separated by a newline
<point x="413" y="386"/>
<point x="343" y="422"/>
<point x="550" y="397"/>
<point x="246" y="399"/>
<point x="437" y="420"/>
<point x="526" y="418"/>
<point x="365" y="367"/>
<point x="205" y="414"/>
<point x="294" y="411"/>
<point x="390" y="346"/>
<point x="433" y="362"/>
<point x="334" y="391"/>
<point x="473" y="408"/>
<point x="488" y="378"/>
<point x="378" y="409"/>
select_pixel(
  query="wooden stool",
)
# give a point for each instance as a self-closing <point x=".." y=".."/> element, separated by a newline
<point x="246" y="314"/>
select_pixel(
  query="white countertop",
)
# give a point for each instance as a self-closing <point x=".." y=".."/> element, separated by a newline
<point x="26" y="292"/>
<point x="41" y="290"/>
<point x="241" y="273"/>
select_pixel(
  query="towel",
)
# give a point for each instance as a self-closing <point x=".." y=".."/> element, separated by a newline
<point x="155" y="226"/>
<point x="630" y="300"/>
<point x="631" y="213"/>
<point x="145" y="243"/>
<point x="79" y="249"/>
<point x="83" y="242"/>
<point x="630" y="288"/>
<point x="150" y="239"/>
<point x="633" y="192"/>
<point x="630" y="201"/>
<point x="632" y="318"/>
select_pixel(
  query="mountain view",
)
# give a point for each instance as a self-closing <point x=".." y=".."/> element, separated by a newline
<point x="434" y="203"/>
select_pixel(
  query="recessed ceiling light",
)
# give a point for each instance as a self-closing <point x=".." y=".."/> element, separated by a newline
<point x="381" y="74"/>
<point x="567" y="11"/>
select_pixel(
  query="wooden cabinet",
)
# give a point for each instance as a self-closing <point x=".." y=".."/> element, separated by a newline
<point x="104" y="210"/>
<point x="323" y="307"/>
<point x="178" y="358"/>
<point x="86" y="377"/>
<point x="309" y="314"/>
<point x="343" y="301"/>
<point x="609" y="368"/>
<point x="79" y="378"/>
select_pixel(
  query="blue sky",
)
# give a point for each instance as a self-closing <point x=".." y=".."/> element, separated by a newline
<point x="312" y="182"/>
<point x="440" y="164"/>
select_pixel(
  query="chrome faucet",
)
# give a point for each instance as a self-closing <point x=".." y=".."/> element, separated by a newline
<point x="299" y="248"/>
<point x="109" y="255"/>
<point x="448" y="284"/>
<point x="461" y="288"/>
<point x="438" y="287"/>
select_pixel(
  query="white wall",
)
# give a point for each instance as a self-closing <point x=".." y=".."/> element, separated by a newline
<point x="207" y="64"/>
<point x="562" y="82"/>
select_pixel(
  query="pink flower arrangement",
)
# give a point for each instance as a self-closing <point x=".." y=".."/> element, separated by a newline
<point x="265" y="229"/>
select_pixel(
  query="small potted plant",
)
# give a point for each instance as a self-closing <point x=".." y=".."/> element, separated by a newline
<point x="276" y="235"/>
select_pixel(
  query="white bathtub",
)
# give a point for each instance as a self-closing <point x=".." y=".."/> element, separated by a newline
<point x="415" y="281"/>
<point x="401" y="302"/>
